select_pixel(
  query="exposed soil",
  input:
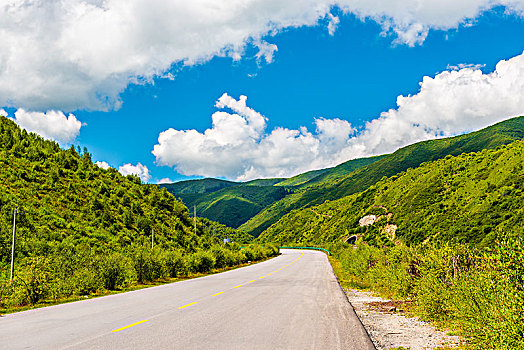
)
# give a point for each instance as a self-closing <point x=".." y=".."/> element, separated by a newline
<point x="389" y="328"/>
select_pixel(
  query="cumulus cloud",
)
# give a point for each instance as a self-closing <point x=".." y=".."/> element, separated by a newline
<point x="452" y="102"/>
<point x="54" y="125"/>
<point x="80" y="54"/>
<point x="103" y="165"/>
<point x="165" y="180"/>
<point x="239" y="147"/>
<point x="139" y="170"/>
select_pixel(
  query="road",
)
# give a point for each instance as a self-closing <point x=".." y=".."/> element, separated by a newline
<point x="290" y="302"/>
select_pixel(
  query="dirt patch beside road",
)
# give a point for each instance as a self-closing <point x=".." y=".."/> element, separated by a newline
<point x="389" y="328"/>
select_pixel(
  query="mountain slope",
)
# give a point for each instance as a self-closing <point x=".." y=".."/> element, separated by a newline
<point x="233" y="204"/>
<point x="404" y="158"/>
<point x="81" y="229"/>
<point x="66" y="199"/>
<point x="473" y="198"/>
<point x="302" y="178"/>
<point x="198" y="186"/>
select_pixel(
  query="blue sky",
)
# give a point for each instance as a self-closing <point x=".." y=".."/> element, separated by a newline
<point x="343" y="80"/>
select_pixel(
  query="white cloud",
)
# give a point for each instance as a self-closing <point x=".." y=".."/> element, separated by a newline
<point x="237" y="146"/>
<point x="266" y="50"/>
<point x="52" y="125"/>
<point x="80" y="54"/>
<point x="103" y="165"/>
<point x="465" y="65"/>
<point x="139" y="170"/>
<point x="165" y="180"/>
<point x="332" y="24"/>
<point x="452" y="102"/>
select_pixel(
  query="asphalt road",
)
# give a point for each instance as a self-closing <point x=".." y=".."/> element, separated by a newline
<point x="289" y="302"/>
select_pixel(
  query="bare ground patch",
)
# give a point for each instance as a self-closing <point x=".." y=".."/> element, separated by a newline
<point x="389" y="328"/>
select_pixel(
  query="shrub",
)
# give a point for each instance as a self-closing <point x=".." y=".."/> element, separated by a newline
<point x="223" y="257"/>
<point x="32" y="282"/>
<point x="115" y="271"/>
<point x="176" y="264"/>
<point x="201" y="261"/>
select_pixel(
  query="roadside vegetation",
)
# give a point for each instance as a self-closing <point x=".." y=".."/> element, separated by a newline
<point x="477" y="293"/>
<point x="70" y="271"/>
<point x="83" y="230"/>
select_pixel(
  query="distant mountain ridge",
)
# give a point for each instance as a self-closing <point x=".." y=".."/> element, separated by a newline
<point x="198" y="186"/>
<point x="256" y="205"/>
<point x="234" y="203"/>
<point x="473" y="198"/>
<point x="407" y="157"/>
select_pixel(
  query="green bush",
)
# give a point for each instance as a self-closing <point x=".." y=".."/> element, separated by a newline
<point x="176" y="264"/>
<point x="86" y="281"/>
<point x="149" y="264"/>
<point x="489" y="301"/>
<point x="201" y="261"/>
<point x="115" y="271"/>
<point x="223" y="257"/>
<point x="32" y="282"/>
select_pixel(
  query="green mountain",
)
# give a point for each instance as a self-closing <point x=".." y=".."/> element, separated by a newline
<point x="81" y="229"/>
<point x="340" y="171"/>
<point x="263" y="182"/>
<point x="301" y="178"/>
<point x="471" y="198"/>
<point x="401" y="160"/>
<point x="198" y="186"/>
<point x="233" y="204"/>
<point x="66" y="199"/>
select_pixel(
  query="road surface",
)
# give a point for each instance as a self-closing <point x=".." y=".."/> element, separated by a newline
<point x="290" y="302"/>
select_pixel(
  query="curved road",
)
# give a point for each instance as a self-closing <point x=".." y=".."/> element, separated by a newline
<point x="289" y="302"/>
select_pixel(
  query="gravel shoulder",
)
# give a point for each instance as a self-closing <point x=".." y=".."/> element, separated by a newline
<point x="388" y="328"/>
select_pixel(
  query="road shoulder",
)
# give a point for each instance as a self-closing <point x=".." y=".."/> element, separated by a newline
<point x="389" y="328"/>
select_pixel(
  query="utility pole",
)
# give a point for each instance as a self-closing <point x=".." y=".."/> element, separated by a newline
<point x="13" y="247"/>
<point x="152" y="237"/>
<point x="194" y="218"/>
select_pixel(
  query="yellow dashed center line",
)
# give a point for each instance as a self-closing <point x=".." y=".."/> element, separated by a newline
<point x="128" y="326"/>
<point x="181" y="307"/>
<point x="216" y="294"/>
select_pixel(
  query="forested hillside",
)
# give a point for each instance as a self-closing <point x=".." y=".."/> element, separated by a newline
<point x="233" y="206"/>
<point x="198" y="186"/>
<point x="404" y="158"/>
<point x="472" y="198"/>
<point x="64" y="197"/>
<point x="233" y="203"/>
<point x="81" y="228"/>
